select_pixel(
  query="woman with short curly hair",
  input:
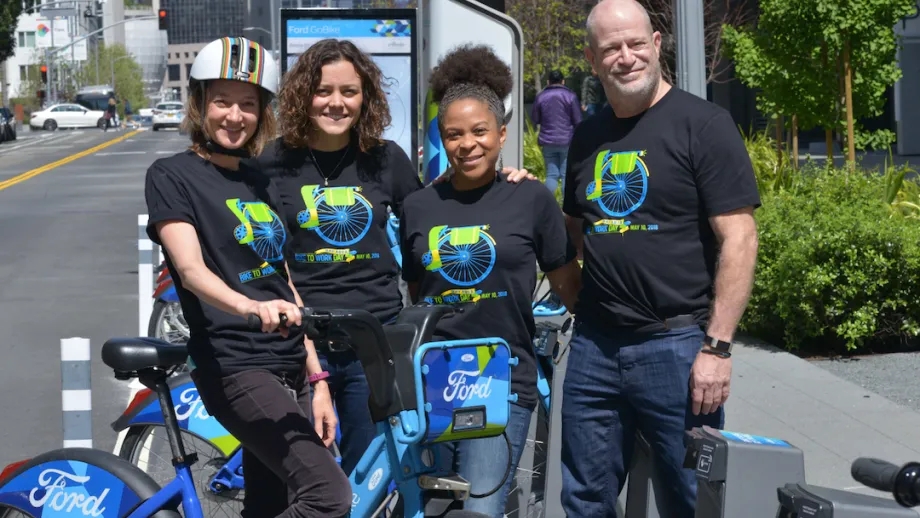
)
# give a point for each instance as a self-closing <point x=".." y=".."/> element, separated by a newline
<point x="490" y="234"/>
<point x="337" y="177"/>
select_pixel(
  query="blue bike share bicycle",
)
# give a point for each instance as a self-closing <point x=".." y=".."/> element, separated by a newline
<point x="422" y="393"/>
<point x="219" y="474"/>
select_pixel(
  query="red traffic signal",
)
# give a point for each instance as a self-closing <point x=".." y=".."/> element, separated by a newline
<point x="163" y="19"/>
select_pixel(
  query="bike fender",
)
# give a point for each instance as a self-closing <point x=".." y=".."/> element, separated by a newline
<point x="191" y="414"/>
<point x="168" y="295"/>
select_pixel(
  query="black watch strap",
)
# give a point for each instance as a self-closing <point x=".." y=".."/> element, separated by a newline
<point x="717" y="345"/>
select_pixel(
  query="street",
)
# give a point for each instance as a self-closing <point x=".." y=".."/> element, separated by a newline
<point x="68" y="268"/>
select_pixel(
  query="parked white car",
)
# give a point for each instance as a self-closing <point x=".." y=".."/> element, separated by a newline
<point x="168" y="115"/>
<point x="67" y="116"/>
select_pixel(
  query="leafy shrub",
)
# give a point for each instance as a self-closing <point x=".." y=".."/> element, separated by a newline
<point x="773" y="171"/>
<point x="533" y="156"/>
<point x="839" y="262"/>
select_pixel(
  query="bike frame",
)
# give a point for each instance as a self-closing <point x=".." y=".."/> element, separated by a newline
<point x="182" y="486"/>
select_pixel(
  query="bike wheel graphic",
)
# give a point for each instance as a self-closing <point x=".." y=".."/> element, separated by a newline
<point x="343" y="225"/>
<point x="267" y="237"/>
<point x="466" y="265"/>
<point x="623" y="193"/>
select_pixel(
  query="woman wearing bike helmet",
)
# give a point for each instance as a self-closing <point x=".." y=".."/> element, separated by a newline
<point x="475" y="240"/>
<point x="217" y="218"/>
<point x="337" y="177"/>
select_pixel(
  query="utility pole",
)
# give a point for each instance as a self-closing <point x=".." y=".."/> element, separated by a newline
<point x="51" y="74"/>
<point x="96" y="39"/>
<point x="691" y="46"/>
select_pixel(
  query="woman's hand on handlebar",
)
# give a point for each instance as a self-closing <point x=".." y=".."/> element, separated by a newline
<point x="270" y="313"/>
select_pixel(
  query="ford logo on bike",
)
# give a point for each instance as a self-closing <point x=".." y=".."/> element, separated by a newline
<point x="467" y="358"/>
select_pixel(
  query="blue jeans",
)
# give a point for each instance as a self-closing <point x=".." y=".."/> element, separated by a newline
<point x="350" y="393"/>
<point x="483" y="463"/>
<point x="555" y="158"/>
<point x="616" y="383"/>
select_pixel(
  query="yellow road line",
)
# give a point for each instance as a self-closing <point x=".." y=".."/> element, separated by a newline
<point x="45" y="168"/>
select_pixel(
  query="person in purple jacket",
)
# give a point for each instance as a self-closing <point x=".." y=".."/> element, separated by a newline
<point x="556" y="111"/>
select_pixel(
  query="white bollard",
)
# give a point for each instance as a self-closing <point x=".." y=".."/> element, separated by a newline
<point x="145" y="279"/>
<point x="76" y="393"/>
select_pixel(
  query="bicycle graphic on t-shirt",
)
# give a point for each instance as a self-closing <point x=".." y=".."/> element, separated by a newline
<point x="463" y="255"/>
<point x="620" y="182"/>
<point x="341" y="216"/>
<point x="260" y="228"/>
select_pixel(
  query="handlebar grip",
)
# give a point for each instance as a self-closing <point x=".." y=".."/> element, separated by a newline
<point x="875" y="473"/>
<point x="255" y="321"/>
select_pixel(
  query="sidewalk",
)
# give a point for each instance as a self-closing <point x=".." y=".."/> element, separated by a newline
<point x="833" y="421"/>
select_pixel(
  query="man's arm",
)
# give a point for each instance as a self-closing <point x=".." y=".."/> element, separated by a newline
<point x="574" y="227"/>
<point x="574" y="111"/>
<point x="736" y="232"/>
<point x="536" y="116"/>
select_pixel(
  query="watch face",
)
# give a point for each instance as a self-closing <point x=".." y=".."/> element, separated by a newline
<point x="718" y="345"/>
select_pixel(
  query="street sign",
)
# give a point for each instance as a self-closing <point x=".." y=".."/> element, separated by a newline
<point x="51" y="12"/>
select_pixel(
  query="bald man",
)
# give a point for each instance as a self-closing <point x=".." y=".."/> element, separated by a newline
<point x="660" y="201"/>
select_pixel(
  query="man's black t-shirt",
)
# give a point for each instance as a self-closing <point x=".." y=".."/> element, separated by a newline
<point x="645" y="187"/>
<point x="243" y="241"/>
<point x="480" y="248"/>
<point x="341" y="257"/>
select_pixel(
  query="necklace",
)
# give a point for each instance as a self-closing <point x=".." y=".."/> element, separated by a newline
<point x="320" y="169"/>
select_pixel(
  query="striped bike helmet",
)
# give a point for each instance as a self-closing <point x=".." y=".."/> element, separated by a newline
<point x="238" y="59"/>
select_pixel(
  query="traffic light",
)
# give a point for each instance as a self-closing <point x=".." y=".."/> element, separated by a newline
<point x="164" y="21"/>
<point x="44" y="71"/>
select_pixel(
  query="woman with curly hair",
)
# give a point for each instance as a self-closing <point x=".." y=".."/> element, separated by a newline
<point x="337" y="177"/>
<point x="500" y="232"/>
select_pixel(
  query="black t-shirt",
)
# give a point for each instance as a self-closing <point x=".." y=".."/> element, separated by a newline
<point x="243" y="241"/>
<point x="480" y="248"/>
<point x="341" y="256"/>
<point x="646" y="186"/>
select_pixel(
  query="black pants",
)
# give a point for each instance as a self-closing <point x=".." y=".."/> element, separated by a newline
<point x="288" y="471"/>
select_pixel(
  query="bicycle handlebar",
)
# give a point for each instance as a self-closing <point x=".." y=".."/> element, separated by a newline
<point x="255" y="322"/>
<point x="902" y="482"/>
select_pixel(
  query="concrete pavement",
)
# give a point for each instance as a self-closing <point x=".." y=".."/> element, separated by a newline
<point x="68" y="267"/>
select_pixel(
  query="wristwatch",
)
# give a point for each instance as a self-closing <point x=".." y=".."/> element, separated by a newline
<point x="717" y="347"/>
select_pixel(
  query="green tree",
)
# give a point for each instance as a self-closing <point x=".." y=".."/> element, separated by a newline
<point x="554" y="36"/>
<point x="822" y="63"/>
<point x="9" y="17"/>
<point x="118" y="68"/>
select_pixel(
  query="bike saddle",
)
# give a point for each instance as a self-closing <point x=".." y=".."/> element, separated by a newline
<point x="130" y="355"/>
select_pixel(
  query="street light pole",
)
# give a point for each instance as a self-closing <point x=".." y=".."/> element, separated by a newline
<point x="96" y="46"/>
<point x="691" y="47"/>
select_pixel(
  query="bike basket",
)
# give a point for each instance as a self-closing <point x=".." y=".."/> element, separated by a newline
<point x="464" y="387"/>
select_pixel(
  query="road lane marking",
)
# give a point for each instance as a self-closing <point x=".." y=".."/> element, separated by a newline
<point x="117" y="153"/>
<point x="31" y="141"/>
<point x="76" y="156"/>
